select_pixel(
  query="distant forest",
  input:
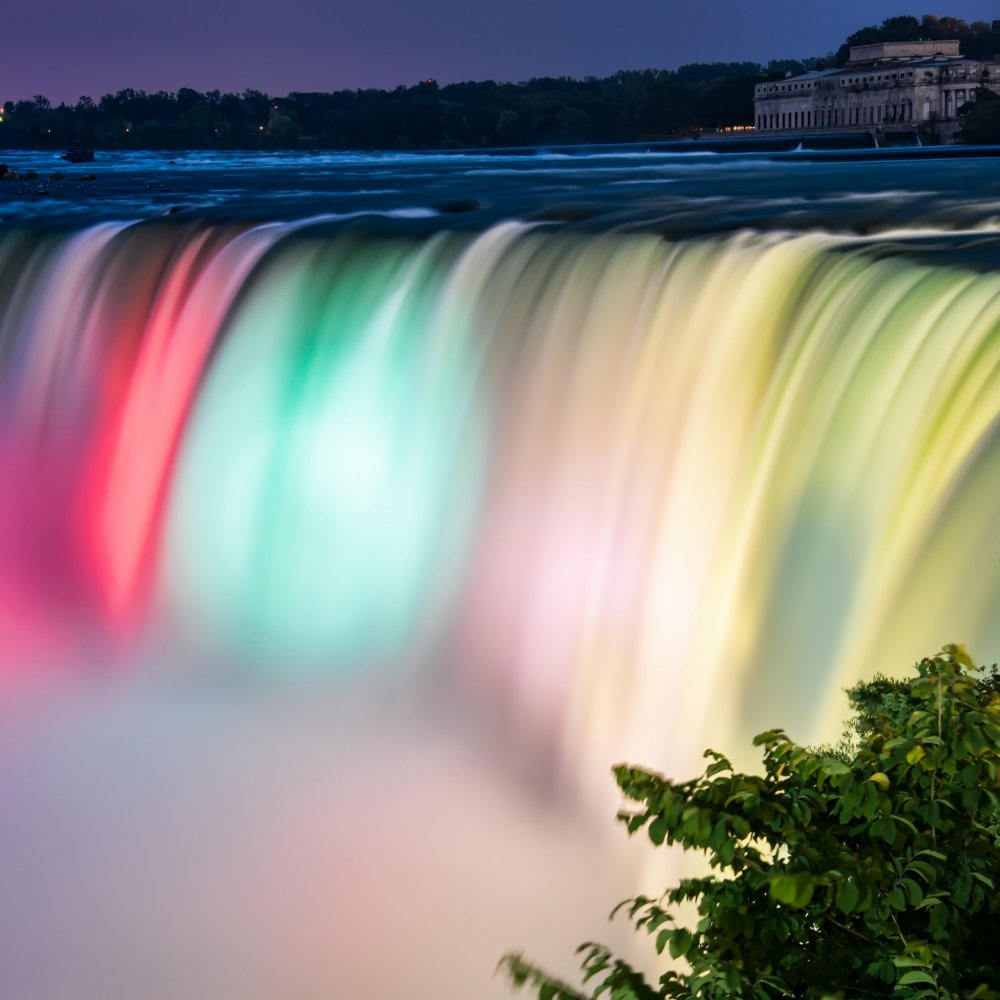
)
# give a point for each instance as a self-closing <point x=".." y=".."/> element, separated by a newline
<point x="630" y="106"/>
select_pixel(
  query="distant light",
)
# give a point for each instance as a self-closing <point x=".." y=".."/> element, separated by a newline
<point x="260" y="128"/>
<point x="732" y="128"/>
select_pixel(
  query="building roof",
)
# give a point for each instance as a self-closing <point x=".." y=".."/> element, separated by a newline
<point x="921" y="49"/>
<point x="893" y="64"/>
<point x="814" y="74"/>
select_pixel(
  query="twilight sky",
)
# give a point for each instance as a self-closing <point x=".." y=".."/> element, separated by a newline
<point x="64" y="48"/>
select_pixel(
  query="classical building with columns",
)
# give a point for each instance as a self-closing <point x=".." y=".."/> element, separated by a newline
<point x="887" y="87"/>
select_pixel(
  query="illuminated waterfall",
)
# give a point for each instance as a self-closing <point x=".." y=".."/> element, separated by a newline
<point x="619" y="490"/>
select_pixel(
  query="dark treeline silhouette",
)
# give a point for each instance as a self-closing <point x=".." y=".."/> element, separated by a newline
<point x="629" y="106"/>
<point x="979" y="40"/>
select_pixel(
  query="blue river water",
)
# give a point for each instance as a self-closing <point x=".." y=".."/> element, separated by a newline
<point x="673" y="189"/>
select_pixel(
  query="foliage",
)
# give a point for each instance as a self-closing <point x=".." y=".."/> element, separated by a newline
<point x="627" y="106"/>
<point x="981" y="120"/>
<point x="979" y="40"/>
<point x="892" y="697"/>
<point x="832" y="879"/>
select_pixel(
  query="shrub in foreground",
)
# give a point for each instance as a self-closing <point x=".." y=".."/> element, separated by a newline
<point x="868" y="870"/>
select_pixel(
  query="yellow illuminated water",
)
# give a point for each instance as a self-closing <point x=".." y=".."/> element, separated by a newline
<point x="622" y="491"/>
<point x="382" y="548"/>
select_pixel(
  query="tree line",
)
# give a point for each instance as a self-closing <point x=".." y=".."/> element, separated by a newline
<point x="628" y="106"/>
<point x="625" y="107"/>
<point x="979" y="40"/>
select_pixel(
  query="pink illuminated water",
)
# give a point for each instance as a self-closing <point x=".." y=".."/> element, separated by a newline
<point x="337" y="568"/>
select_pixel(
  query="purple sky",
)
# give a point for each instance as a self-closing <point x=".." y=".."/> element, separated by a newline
<point x="64" y="49"/>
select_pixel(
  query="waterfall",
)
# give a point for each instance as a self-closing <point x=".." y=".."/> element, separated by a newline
<point x="621" y="491"/>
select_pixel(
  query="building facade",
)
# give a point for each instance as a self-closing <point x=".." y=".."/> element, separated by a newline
<point x="886" y="86"/>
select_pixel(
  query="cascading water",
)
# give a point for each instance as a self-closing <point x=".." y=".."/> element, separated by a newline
<point x="620" y="490"/>
<point x="340" y="559"/>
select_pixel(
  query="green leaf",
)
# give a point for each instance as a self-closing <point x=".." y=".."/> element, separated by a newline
<point x="847" y="897"/>
<point x="914" y="893"/>
<point x="783" y="888"/>
<point x="916" y="976"/>
<point x="680" y="943"/>
<point x="662" y="938"/>
<point x="793" y="890"/>
<point x="658" y="830"/>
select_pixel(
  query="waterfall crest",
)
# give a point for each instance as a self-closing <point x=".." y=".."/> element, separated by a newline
<point x="619" y="490"/>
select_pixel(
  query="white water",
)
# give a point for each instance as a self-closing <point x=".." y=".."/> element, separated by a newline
<point x="532" y="502"/>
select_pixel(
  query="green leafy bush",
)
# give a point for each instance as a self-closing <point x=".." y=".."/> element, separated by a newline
<point x="873" y="875"/>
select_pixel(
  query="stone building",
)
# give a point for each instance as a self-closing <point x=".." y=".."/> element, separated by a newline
<point x="885" y="87"/>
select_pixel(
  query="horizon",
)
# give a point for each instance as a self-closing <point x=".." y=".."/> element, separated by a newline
<point x="64" y="53"/>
